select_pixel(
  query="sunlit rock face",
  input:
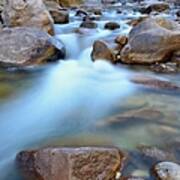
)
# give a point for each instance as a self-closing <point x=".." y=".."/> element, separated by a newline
<point x="153" y="40"/>
<point x="71" y="163"/>
<point x="31" y="13"/>
<point x="26" y="46"/>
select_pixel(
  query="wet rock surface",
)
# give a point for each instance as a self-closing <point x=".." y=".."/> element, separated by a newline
<point x="155" y="83"/>
<point x="28" y="46"/>
<point x="70" y="163"/>
<point x="112" y="26"/>
<point x="134" y="116"/>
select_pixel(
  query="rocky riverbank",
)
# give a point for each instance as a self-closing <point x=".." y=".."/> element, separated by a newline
<point x="28" y="39"/>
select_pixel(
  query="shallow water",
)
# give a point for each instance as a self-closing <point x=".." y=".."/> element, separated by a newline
<point x="70" y="102"/>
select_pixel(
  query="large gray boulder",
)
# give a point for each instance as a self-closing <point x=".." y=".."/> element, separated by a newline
<point x="28" y="46"/>
<point x="30" y="13"/>
<point x="151" y="41"/>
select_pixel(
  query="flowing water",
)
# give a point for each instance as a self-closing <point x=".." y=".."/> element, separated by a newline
<point x="69" y="102"/>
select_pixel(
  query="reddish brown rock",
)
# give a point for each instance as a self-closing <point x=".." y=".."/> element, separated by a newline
<point x="102" y="51"/>
<point x="71" y="163"/>
<point x="121" y="39"/>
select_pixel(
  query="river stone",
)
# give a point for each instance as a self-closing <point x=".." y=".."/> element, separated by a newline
<point x="111" y="26"/>
<point x="132" y="178"/>
<point x="28" y="46"/>
<point x="169" y="67"/>
<point x="167" y="171"/>
<point x="87" y="23"/>
<point x="153" y="40"/>
<point x="70" y="163"/>
<point x="158" y="7"/>
<point x="101" y="51"/>
<point x="133" y="116"/>
<point x="29" y="13"/>
<point x="59" y="15"/>
<point x="155" y="83"/>
<point x="152" y="154"/>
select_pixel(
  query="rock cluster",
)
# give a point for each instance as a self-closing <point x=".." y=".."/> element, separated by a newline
<point x="26" y="38"/>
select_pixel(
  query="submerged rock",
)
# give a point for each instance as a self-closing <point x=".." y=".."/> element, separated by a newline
<point x="153" y="154"/>
<point x="155" y="83"/>
<point x="133" y="178"/>
<point x="70" y="163"/>
<point x="28" y="46"/>
<point x="133" y="116"/>
<point x="167" y="171"/>
<point x="170" y="67"/>
<point x="102" y="51"/>
<point x="29" y="13"/>
<point x="153" y="40"/>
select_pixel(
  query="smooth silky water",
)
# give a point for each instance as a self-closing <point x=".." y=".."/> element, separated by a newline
<point x="69" y="102"/>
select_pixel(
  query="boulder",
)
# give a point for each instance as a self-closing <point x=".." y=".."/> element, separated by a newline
<point x="29" y="13"/>
<point x="153" y="40"/>
<point x="158" y="7"/>
<point x="102" y="51"/>
<point x="22" y="46"/>
<point x="111" y="26"/>
<point x="88" y="24"/>
<point x="167" y="171"/>
<point x="59" y="15"/>
<point x="70" y="163"/>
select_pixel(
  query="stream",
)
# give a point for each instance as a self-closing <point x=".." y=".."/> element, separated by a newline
<point x="68" y="103"/>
